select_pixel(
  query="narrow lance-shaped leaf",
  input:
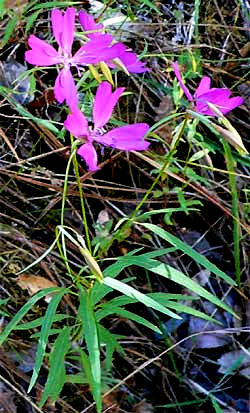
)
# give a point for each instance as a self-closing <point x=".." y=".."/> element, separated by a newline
<point x="113" y="309"/>
<point x="173" y="275"/>
<point x="57" y="372"/>
<point x="132" y="292"/>
<point x="48" y="320"/>
<point x="188" y="250"/>
<point x="23" y="311"/>
<point x="86" y="313"/>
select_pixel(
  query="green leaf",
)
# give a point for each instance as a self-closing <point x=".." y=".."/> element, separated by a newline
<point x="172" y="274"/>
<point x="30" y="20"/>
<point x="151" y="5"/>
<point x="78" y="378"/>
<point x="48" y="320"/>
<point x="186" y="249"/>
<point x="100" y="291"/>
<point x="57" y="372"/>
<point x="162" y="298"/>
<point x="108" y="309"/>
<point x="39" y="321"/>
<point x="178" y="277"/>
<point x="52" y="4"/>
<point x="169" y="210"/>
<point x="86" y="367"/>
<point x="12" y="24"/>
<point x="46" y="123"/>
<point x="216" y="406"/>
<point x="23" y="311"/>
<point x="111" y="342"/>
<point x="86" y="313"/>
<point x="133" y="293"/>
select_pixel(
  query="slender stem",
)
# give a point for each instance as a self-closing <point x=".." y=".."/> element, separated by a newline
<point x="165" y="165"/>
<point x="76" y="168"/>
<point x="128" y="223"/>
<point x="235" y="210"/>
<point x="66" y="185"/>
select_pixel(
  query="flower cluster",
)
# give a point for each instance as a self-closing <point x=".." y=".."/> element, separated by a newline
<point x="100" y="47"/>
<point x="220" y="97"/>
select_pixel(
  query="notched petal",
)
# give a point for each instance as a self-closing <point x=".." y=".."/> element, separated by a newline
<point x="88" y="153"/>
<point x="104" y="103"/>
<point x="127" y="138"/>
<point x="42" y="53"/>
<point x="65" y="89"/>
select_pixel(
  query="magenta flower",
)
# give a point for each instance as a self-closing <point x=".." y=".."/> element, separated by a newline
<point x="219" y="97"/>
<point x="128" y="58"/>
<point x="127" y="138"/>
<point x="43" y="54"/>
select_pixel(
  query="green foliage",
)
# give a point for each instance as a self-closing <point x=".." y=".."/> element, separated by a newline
<point x="9" y="30"/>
<point x="24" y="310"/>
<point x="186" y="249"/>
<point x="43" y="339"/>
<point x="57" y="372"/>
<point x="90" y="333"/>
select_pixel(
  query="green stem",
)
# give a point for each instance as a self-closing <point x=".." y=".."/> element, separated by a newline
<point x="65" y="187"/>
<point x="76" y="168"/>
<point x="165" y="165"/>
<point x="235" y="210"/>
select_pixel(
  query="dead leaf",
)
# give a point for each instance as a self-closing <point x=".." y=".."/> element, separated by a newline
<point x="35" y="283"/>
<point x="230" y="133"/>
<point x="245" y="50"/>
<point x="143" y="407"/>
<point x="165" y="108"/>
<point x="237" y="359"/>
<point x="103" y="217"/>
<point x="6" y="400"/>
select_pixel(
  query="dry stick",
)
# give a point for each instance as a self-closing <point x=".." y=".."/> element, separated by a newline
<point x="21" y="394"/>
<point x="9" y="144"/>
<point x="35" y="158"/>
<point x="70" y="192"/>
<point x="148" y="362"/>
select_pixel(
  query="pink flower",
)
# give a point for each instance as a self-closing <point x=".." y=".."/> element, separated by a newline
<point x="43" y="54"/>
<point x="128" y="58"/>
<point x="204" y="95"/>
<point x="127" y="138"/>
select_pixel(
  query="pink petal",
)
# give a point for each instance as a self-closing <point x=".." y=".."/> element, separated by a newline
<point x="127" y="138"/>
<point x="216" y="96"/>
<point x="96" y="50"/>
<point x="57" y="25"/>
<point x="42" y="53"/>
<point x="68" y="29"/>
<point x="233" y="103"/>
<point x="177" y="73"/>
<point x="133" y="64"/>
<point x="203" y="87"/>
<point x="77" y="124"/>
<point x="88" y="23"/>
<point x="104" y="103"/>
<point x="65" y="89"/>
<point x="88" y="153"/>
